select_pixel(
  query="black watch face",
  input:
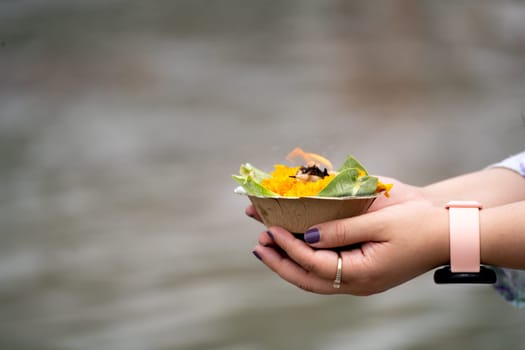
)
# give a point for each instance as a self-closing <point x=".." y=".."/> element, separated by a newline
<point x="445" y="276"/>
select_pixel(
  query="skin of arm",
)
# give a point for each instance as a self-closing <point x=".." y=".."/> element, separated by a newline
<point x="402" y="236"/>
<point x="502" y="235"/>
<point x="491" y="187"/>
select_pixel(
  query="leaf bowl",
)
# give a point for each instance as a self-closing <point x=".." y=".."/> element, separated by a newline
<point x="297" y="214"/>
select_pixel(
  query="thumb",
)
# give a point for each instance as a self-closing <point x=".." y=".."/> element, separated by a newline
<point x="345" y="232"/>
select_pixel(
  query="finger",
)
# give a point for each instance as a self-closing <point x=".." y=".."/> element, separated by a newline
<point x="251" y="212"/>
<point x="317" y="262"/>
<point x="346" y="232"/>
<point x="292" y="272"/>
<point x="266" y="239"/>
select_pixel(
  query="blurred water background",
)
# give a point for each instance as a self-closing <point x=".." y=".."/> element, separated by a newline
<point x="122" y="121"/>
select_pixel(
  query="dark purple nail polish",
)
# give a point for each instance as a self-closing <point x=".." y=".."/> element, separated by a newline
<point x="270" y="235"/>
<point x="312" y="236"/>
<point x="257" y="255"/>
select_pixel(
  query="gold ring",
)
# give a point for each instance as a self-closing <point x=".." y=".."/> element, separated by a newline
<point x="337" y="281"/>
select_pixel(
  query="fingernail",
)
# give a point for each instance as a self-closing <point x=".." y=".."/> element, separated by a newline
<point x="312" y="235"/>
<point x="257" y="255"/>
<point x="270" y="235"/>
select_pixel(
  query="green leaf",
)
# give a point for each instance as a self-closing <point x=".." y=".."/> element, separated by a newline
<point x="250" y="179"/>
<point x="350" y="163"/>
<point x="257" y="174"/>
<point x="366" y="186"/>
<point x="342" y="185"/>
<point x="348" y="184"/>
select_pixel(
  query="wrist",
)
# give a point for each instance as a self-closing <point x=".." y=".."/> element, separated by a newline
<point x="442" y="236"/>
<point x="437" y="240"/>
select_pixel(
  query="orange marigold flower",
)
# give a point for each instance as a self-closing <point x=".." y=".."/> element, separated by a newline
<point x="283" y="183"/>
<point x="384" y="187"/>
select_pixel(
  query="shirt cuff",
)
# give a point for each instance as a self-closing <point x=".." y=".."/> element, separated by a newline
<point x="515" y="163"/>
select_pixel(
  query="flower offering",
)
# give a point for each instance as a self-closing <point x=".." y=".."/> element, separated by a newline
<point x="298" y="197"/>
<point x="315" y="178"/>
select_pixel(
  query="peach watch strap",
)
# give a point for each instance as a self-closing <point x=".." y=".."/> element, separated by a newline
<point x="464" y="236"/>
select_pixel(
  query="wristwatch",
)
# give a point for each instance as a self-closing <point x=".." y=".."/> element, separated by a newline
<point x="464" y="247"/>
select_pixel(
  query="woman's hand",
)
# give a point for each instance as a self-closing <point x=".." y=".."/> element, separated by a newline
<point x="400" y="238"/>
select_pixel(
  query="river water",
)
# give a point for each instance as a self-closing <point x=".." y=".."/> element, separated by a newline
<point x="122" y="121"/>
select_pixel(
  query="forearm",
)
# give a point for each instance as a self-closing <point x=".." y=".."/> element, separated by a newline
<point x="502" y="233"/>
<point x="491" y="187"/>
